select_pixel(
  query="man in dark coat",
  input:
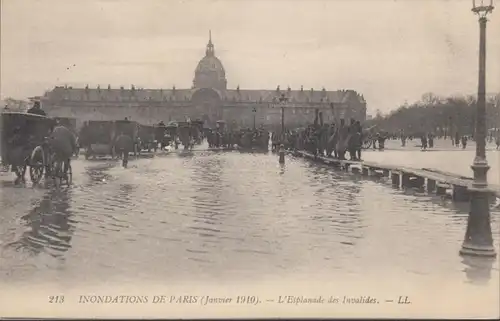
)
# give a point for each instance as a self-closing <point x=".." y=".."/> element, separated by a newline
<point x="123" y="146"/>
<point x="63" y="144"/>
<point x="342" y="139"/>
<point x="36" y="109"/>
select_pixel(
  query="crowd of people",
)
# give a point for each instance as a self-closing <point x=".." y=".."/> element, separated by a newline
<point x="328" y="140"/>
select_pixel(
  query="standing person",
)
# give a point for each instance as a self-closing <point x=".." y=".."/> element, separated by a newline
<point x="359" y="142"/>
<point x="381" y="141"/>
<point x="431" y="140"/>
<point x="160" y="132"/>
<point x="123" y="146"/>
<point x="423" y="139"/>
<point x="343" y="134"/>
<point x="355" y="142"/>
<point x="36" y="109"/>
<point x="464" y="141"/>
<point x="457" y="139"/>
<point x="331" y="142"/>
<point x="63" y="144"/>
<point x="403" y="139"/>
<point x="351" y="142"/>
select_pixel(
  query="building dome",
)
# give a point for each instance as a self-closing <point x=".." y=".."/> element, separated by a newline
<point x="210" y="73"/>
<point x="211" y="64"/>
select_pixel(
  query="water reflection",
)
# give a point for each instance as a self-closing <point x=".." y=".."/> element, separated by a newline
<point x="98" y="174"/>
<point x="232" y="215"/>
<point x="478" y="269"/>
<point x="282" y="169"/>
<point x="338" y="198"/>
<point x="208" y="199"/>
<point x="125" y="193"/>
<point x="49" y="225"/>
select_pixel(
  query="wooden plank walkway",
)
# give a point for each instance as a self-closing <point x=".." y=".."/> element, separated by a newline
<point x="434" y="181"/>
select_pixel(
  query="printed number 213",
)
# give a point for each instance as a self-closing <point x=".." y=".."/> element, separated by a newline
<point x="56" y="299"/>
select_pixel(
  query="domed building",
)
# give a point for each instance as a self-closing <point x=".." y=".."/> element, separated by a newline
<point x="210" y="73"/>
<point x="208" y="99"/>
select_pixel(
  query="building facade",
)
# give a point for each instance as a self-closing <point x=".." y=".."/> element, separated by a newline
<point x="208" y="99"/>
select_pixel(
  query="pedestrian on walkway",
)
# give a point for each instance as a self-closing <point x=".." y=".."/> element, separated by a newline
<point x="343" y="134"/>
<point x="381" y="141"/>
<point x="423" y="140"/>
<point x="431" y="140"/>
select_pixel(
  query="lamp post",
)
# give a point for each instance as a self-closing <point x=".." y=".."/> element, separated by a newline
<point x="254" y="111"/>
<point x="282" y="103"/>
<point x="283" y="100"/>
<point x="478" y="238"/>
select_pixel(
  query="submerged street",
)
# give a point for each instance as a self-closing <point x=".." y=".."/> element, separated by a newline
<point x="230" y="216"/>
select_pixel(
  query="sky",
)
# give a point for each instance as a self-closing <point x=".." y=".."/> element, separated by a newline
<point x="391" y="51"/>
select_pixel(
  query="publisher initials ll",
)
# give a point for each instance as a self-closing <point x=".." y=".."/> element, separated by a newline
<point x="403" y="300"/>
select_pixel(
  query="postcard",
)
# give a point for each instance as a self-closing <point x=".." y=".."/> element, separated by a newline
<point x="249" y="159"/>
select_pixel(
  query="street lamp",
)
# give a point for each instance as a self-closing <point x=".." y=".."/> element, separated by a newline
<point x="254" y="111"/>
<point x="283" y="100"/>
<point x="478" y="238"/>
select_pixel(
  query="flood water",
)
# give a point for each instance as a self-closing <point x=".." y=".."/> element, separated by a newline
<point x="232" y="218"/>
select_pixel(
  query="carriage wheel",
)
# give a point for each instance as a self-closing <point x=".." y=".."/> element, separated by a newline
<point x="36" y="174"/>
<point x="367" y="144"/>
<point x="37" y="165"/>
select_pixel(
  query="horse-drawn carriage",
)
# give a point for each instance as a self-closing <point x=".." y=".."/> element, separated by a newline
<point x="25" y="143"/>
<point x="147" y="138"/>
<point x="97" y="137"/>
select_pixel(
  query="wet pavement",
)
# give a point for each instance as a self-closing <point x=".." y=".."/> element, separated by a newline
<point x="232" y="216"/>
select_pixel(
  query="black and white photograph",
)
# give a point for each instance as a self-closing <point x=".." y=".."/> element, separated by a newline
<point x="249" y="159"/>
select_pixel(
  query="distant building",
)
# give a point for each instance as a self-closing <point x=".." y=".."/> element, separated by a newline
<point x="208" y="99"/>
<point x="14" y="105"/>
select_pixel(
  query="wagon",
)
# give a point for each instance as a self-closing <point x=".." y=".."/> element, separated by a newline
<point x="97" y="138"/>
<point x="146" y="134"/>
<point x="23" y="135"/>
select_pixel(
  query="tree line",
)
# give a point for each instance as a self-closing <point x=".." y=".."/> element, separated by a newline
<point x="438" y="115"/>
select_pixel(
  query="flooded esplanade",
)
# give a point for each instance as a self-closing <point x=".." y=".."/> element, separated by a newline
<point x="229" y="216"/>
